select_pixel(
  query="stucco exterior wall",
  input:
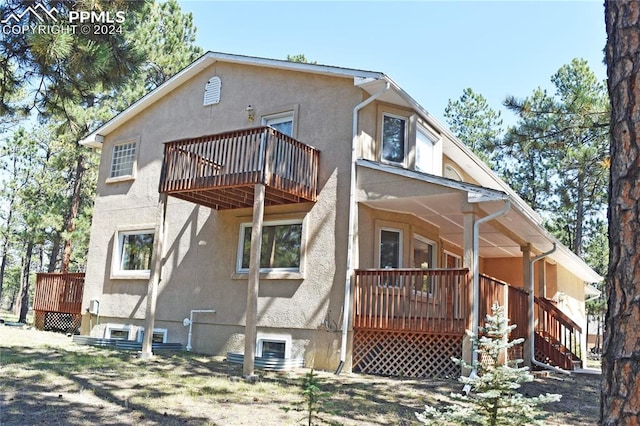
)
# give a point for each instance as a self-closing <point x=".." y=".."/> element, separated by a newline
<point x="201" y="244"/>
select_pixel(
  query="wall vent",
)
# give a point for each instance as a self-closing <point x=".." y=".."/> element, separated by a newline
<point x="212" y="91"/>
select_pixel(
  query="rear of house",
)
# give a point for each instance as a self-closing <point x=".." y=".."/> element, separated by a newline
<point x="367" y="259"/>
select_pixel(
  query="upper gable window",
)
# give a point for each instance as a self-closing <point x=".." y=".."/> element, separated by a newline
<point x="451" y="173"/>
<point x="212" y="91"/>
<point x="394" y="138"/>
<point x="123" y="160"/>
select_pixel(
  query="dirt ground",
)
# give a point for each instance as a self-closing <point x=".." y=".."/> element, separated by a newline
<point x="48" y="380"/>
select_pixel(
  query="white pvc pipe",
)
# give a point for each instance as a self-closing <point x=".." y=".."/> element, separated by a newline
<point x="476" y="285"/>
<point x="194" y="311"/>
<point x="476" y="273"/>
<point x="352" y="219"/>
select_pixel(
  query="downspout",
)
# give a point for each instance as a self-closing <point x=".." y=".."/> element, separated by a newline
<point x="532" y="316"/>
<point x="476" y="284"/>
<point x="352" y="219"/>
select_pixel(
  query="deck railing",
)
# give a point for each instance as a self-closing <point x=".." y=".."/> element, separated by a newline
<point x="558" y="334"/>
<point x="241" y="158"/>
<point x="515" y="299"/>
<point x="428" y="300"/>
<point x="59" y="292"/>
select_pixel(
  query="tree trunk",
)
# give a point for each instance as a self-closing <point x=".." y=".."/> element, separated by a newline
<point x="620" y="393"/>
<point x="22" y="306"/>
<point x="55" y="251"/>
<point x="75" y="207"/>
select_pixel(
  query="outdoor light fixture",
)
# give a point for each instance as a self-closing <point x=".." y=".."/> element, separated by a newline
<point x="250" y="113"/>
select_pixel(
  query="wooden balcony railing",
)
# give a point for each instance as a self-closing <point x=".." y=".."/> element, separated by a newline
<point x="557" y="335"/>
<point x="515" y="299"/>
<point x="221" y="170"/>
<point x="429" y="300"/>
<point x="59" y="292"/>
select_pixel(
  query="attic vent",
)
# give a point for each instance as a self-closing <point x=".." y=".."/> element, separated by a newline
<point x="212" y="91"/>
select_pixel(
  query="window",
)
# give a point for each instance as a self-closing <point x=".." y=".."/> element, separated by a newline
<point x="117" y="331"/>
<point x="123" y="159"/>
<point x="394" y="137"/>
<point x="281" y="246"/>
<point x="281" y="122"/>
<point x="159" y="335"/>
<point x="425" y="153"/>
<point x="424" y="257"/>
<point x="273" y="346"/>
<point x="390" y="248"/>
<point x="451" y="173"/>
<point x="132" y="257"/>
<point x="424" y="253"/>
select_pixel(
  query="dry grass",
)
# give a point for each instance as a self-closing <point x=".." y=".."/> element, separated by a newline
<point x="49" y="380"/>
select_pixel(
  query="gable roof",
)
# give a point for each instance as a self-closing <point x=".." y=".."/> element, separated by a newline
<point x="95" y="138"/>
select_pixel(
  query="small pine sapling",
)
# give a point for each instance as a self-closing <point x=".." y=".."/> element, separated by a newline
<point x="494" y="399"/>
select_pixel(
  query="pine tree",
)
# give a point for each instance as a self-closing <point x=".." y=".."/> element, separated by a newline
<point x="494" y="399"/>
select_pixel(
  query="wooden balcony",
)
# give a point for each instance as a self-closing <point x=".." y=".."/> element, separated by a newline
<point x="220" y="171"/>
<point x="416" y="300"/>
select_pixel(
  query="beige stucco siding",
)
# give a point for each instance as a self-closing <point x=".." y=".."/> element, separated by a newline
<point x="201" y="244"/>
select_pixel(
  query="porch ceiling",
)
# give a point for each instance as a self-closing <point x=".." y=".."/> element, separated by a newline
<point x="502" y="237"/>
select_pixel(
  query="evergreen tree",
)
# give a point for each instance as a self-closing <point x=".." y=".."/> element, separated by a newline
<point x="494" y="399"/>
<point x="477" y="125"/>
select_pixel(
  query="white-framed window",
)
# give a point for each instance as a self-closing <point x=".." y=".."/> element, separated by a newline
<point x="282" y="122"/>
<point x="132" y="253"/>
<point x="281" y="246"/>
<point x="425" y="151"/>
<point x="425" y="257"/>
<point x="159" y="335"/>
<point x="118" y="331"/>
<point x="273" y="346"/>
<point x="394" y="138"/>
<point x="424" y="253"/>
<point x="390" y="249"/>
<point x="123" y="160"/>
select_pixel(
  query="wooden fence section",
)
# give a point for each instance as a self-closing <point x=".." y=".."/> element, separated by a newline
<point x="431" y="300"/>
<point x="557" y="336"/>
<point x="58" y="292"/>
<point x="221" y="170"/>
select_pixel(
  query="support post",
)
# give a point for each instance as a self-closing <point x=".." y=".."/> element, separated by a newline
<point x="154" y="279"/>
<point x="250" y="333"/>
<point x="468" y="262"/>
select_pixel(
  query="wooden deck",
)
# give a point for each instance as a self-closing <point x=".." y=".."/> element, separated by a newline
<point x="57" y="302"/>
<point x="220" y="171"/>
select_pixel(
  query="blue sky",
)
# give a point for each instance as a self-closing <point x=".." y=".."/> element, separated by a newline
<point x="433" y="50"/>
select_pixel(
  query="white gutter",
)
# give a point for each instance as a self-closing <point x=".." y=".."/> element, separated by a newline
<point x="531" y="330"/>
<point x="476" y="285"/>
<point x="352" y="219"/>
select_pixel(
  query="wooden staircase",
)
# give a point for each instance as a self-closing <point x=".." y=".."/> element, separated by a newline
<point x="557" y="337"/>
